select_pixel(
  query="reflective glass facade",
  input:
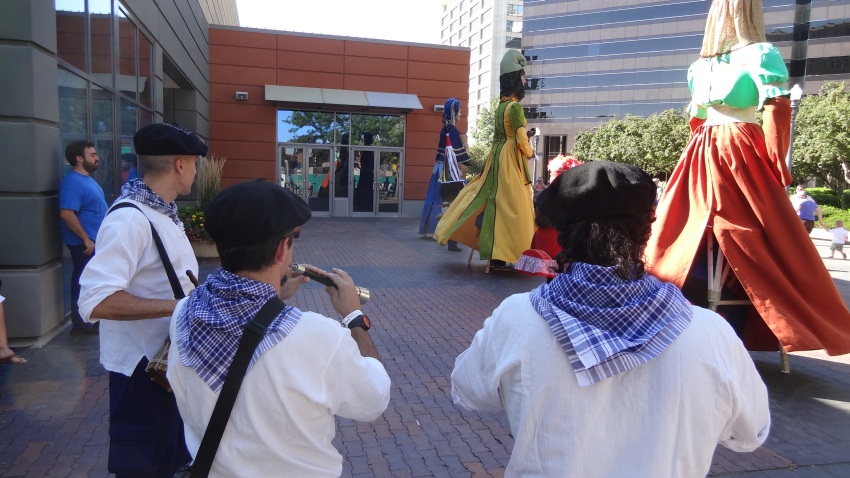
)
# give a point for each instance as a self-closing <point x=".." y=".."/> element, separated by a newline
<point x="588" y="63"/>
<point x="105" y="83"/>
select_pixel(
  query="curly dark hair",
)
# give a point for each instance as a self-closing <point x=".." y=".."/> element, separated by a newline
<point x="617" y="241"/>
<point x="510" y="84"/>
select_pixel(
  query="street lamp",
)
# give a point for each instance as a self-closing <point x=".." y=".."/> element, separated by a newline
<point x="796" y="94"/>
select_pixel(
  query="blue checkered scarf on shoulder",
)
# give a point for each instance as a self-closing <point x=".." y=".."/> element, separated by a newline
<point x="210" y="324"/>
<point x="138" y="191"/>
<point x="607" y="325"/>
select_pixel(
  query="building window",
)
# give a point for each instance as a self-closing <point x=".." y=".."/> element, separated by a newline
<point x="73" y="106"/>
<point x="102" y="98"/>
<point x="513" y="42"/>
<point x="484" y="48"/>
<point x="515" y="10"/>
<point x="483" y="63"/>
<point x="71" y="32"/>
<point x="100" y="40"/>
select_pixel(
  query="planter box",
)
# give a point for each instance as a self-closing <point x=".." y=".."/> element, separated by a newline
<point x="204" y="249"/>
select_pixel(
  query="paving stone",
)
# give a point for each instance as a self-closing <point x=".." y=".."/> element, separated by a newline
<point x="426" y="306"/>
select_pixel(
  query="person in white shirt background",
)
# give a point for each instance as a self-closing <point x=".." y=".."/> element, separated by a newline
<point x="839" y="237"/>
<point x="607" y="371"/>
<point x="306" y="369"/>
<point x="125" y="287"/>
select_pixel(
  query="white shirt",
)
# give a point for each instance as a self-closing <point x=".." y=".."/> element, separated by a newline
<point x="661" y="419"/>
<point x="839" y="235"/>
<point x="126" y="259"/>
<point x="282" y="422"/>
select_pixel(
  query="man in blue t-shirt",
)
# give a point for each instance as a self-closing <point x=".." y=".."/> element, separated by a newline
<point x="82" y="208"/>
<point x="806" y="208"/>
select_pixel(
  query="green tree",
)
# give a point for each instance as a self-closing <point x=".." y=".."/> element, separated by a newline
<point x="654" y="144"/>
<point x="311" y="127"/>
<point x="665" y="137"/>
<point x="822" y="137"/>
<point x="482" y="135"/>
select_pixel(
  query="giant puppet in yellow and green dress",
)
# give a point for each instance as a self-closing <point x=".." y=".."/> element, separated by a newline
<point x="728" y="189"/>
<point x="494" y="213"/>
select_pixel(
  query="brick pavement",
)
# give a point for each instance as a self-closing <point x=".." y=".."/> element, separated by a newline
<point x="426" y="304"/>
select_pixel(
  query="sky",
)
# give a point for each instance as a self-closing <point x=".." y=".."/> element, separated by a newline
<point x="401" y="20"/>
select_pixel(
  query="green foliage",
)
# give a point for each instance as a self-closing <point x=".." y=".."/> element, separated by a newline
<point x="477" y="158"/>
<point x="314" y="127"/>
<point x="832" y="214"/>
<point x="193" y="223"/>
<point x="485" y="125"/>
<point x="845" y="199"/>
<point x="653" y="144"/>
<point x="482" y="135"/>
<point x="822" y="137"/>
<point x="318" y="127"/>
<point x="208" y="179"/>
<point x="824" y="196"/>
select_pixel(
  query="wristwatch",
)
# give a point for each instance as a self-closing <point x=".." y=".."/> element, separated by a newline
<point x="361" y="321"/>
<point x="357" y="319"/>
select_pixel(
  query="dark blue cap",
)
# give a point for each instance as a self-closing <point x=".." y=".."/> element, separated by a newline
<point x="596" y="190"/>
<point x="168" y="139"/>
<point x="252" y="213"/>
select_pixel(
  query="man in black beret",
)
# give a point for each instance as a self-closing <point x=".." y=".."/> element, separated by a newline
<point x="126" y="286"/>
<point x="607" y="371"/>
<point x="306" y="370"/>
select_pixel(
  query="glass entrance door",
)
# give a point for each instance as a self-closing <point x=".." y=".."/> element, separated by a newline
<point x="388" y="183"/>
<point x="304" y="171"/>
<point x="376" y="176"/>
<point x="365" y="194"/>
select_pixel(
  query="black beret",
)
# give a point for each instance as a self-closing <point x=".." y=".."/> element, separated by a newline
<point x="253" y="212"/>
<point x="167" y="139"/>
<point x="596" y="190"/>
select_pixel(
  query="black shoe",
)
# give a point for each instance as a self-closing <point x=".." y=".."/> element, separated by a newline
<point x="453" y="248"/>
<point x="87" y="329"/>
<point x="500" y="266"/>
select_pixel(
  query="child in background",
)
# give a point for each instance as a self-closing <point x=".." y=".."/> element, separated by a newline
<point x="839" y="237"/>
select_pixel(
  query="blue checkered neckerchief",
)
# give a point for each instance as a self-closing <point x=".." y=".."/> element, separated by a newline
<point x="138" y="191"/>
<point x="607" y="325"/>
<point x="210" y="324"/>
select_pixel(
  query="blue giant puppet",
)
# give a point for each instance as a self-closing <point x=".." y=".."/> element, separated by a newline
<point x="447" y="178"/>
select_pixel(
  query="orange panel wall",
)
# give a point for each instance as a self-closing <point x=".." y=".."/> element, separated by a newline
<point x="247" y="60"/>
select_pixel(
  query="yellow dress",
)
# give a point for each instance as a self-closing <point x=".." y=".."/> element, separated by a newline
<point x="502" y="192"/>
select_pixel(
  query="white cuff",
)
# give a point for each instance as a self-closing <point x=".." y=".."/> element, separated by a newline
<point x="353" y="315"/>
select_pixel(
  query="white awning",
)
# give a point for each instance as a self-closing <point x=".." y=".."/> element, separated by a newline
<point x="328" y="96"/>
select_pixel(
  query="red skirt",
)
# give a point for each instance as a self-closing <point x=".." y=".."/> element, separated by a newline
<point x="729" y="183"/>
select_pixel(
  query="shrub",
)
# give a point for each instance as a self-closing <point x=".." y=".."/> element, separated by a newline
<point x="209" y="180"/>
<point x="845" y="199"/>
<point x="193" y="223"/>
<point x="832" y="214"/>
<point x="824" y="196"/>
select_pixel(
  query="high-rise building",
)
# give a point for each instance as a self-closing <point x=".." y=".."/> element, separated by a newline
<point x="591" y="60"/>
<point x="487" y="28"/>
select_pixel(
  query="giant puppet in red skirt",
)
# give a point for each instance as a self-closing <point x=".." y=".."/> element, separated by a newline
<point x="728" y="190"/>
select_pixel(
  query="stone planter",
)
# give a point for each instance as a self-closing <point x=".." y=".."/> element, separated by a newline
<point x="204" y="250"/>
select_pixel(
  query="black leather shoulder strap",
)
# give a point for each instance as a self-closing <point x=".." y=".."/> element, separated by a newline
<point x="251" y="337"/>
<point x="176" y="288"/>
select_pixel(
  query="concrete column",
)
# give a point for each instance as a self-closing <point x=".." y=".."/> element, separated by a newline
<point x="30" y="161"/>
